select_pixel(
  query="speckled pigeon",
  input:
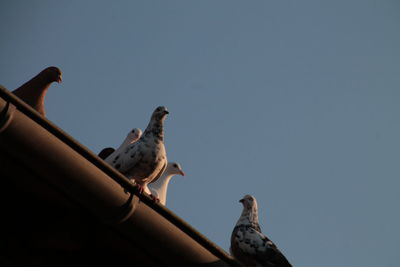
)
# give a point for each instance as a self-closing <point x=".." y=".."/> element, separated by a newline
<point x="131" y="138"/>
<point x="145" y="160"/>
<point x="34" y="91"/>
<point x="159" y="188"/>
<point x="249" y="245"/>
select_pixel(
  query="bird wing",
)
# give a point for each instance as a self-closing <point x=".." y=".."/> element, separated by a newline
<point x="123" y="147"/>
<point x="255" y="245"/>
<point x="128" y="158"/>
<point x="160" y="172"/>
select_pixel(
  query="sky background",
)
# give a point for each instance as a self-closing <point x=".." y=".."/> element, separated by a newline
<point x="294" y="102"/>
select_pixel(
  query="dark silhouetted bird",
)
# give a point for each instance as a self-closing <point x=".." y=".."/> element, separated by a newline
<point x="105" y="152"/>
<point x="34" y="91"/>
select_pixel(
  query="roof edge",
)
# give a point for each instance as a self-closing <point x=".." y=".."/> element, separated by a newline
<point x="13" y="103"/>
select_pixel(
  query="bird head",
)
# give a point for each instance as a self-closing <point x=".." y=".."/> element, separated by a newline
<point x="160" y="113"/>
<point x="249" y="202"/>
<point x="175" y="168"/>
<point x="52" y="74"/>
<point x="134" y="134"/>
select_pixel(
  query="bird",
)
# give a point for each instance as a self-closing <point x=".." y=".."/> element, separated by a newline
<point x="159" y="188"/>
<point x="146" y="159"/>
<point x="249" y="245"/>
<point x="33" y="92"/>
<point x="131" y="137"/>
<point x="105" y="152"/>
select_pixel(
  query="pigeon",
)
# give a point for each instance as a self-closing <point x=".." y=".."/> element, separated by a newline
<point x="159" y="188"/>
<point x="34" y="91"/>
<point x="105" y="152"/>
<point x="249" y="245"/>
<point x="131" y="138"/>
<point x="145" y="160"/>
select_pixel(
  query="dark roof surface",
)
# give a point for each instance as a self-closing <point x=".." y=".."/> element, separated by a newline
<point x="63" y="206"/>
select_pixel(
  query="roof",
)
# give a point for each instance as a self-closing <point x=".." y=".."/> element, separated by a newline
<point x="62" y="205"/>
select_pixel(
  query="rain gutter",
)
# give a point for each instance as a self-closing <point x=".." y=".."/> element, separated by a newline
<point x="99" y="188"/>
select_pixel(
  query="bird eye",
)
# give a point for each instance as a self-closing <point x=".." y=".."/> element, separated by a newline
<point x="158" y="109"/>
<point x="175" y="165"/>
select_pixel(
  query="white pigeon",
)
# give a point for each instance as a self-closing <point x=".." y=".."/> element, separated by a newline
<point x="249" y="245"/>
<point x="145" y="160"/>
<point x="131" y="137"/>
<point x="159" y="188"/>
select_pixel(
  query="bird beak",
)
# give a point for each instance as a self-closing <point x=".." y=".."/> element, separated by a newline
<point x="241" y="201"/>
<point x="182" y="173"/>
<point x="59" y="80"/>
<point x="166" y="112"/>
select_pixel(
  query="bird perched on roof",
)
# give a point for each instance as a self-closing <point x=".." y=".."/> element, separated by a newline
<point x="145" y="160"/>
<point x="105" y="152"/>
<point x="159" y="188"/>
<point x="249" y="245"/>
<point x="109" y="153"/>
<point x="34" y="91"/>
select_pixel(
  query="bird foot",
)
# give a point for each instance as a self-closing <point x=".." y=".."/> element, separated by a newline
<point x="154" y="198"/>
<point x="140" y="188"/>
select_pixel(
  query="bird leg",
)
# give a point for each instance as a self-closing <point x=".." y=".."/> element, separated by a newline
<point x="154" y="198"/>
<point x="140" y="188"/>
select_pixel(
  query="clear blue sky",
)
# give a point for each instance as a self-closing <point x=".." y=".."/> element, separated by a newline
<point x="294" y="102"/>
